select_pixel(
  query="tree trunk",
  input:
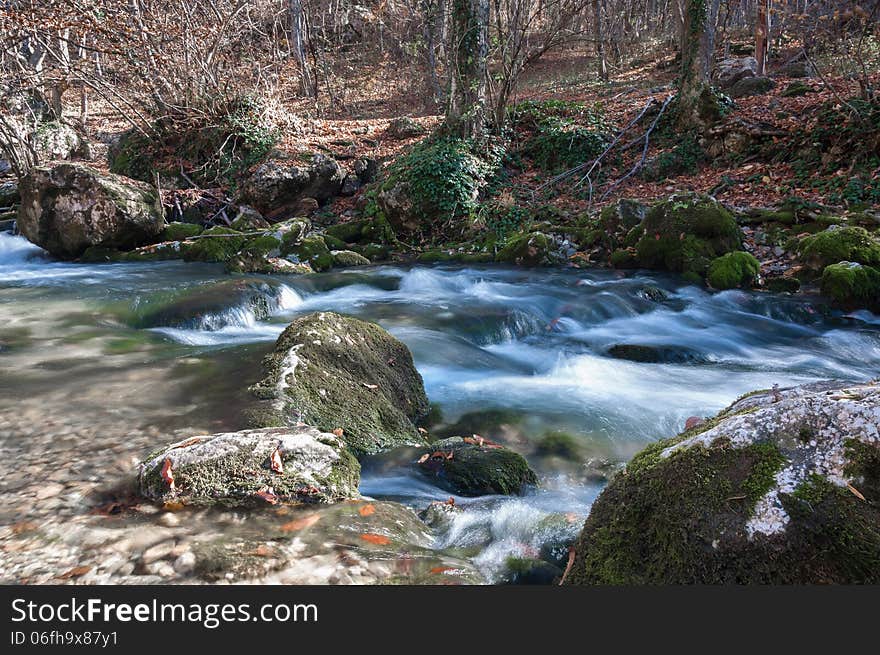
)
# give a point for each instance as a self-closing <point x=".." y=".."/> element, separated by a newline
<point x="599" y="36"/>
<point x="298" y="44"/>
<point x="762" y="36"/>
<point x="696" y="107"/>
<point x="466" y="112"/>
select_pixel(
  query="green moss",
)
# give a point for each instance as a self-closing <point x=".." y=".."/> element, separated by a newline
<point x="863" y="465"/>
<point x="333" y="243"/>
<point x="782" y="284"/>
<point x="851" y="285"/>
<point x="180" y="231"/>
<point x="559" y="444"/>
<point x="343" y="258"/>
<point x="684" y="234"/>
<point x="796" y="89"/>
<point x="529" y="249"/>
<point x="624" y="259"/>
<point x="838" y="244"/>
<point x="733" y="270"/>
<point x="473" y="470"/>
<point x="350" y="232"/>
<point x="262" y="246"/>
<point x="310" y="250"/>
<point x="218" y="244"/>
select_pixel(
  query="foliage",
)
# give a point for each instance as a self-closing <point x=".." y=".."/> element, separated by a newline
<point x="683" y="159"/>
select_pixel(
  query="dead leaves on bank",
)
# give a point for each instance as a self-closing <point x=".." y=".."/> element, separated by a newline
<point x="376" y="539"/>
<point x="301" y="524"/>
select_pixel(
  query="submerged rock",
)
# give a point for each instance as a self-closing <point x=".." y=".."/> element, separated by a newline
<point x="252" y="467"/>
<point x="781" y="487"/>
<point x="70" y="207"/>
<point x="338" y="372"/>
<point x="467" y="468"/>
<point x="650" y="354"/>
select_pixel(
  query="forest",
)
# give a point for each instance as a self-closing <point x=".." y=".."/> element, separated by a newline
<point x="556" y="292"/>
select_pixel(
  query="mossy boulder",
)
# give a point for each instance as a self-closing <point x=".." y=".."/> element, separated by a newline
<point x="852" y="285"/>
<point x="249" y="219"/>
<point x="180" y="231"/>
<point x="309" y="250"/>
<point x="734" y="270"/>
<point x="217" y="244"/>
<point x="350" y="232"/>
<point x="530" y="249"/>
<point x="622" y="215"/>
<point x="470" y="468"/>
<point x="252" y="467"/>
<point x="685" y="233"/>
<point x="796" y="89"/>
<point x="751" y="86"/>
<point x="782" y="487"/>
<point x="338" y="372"/>
<point x="69" y="207"/>
<point x="837" y="244"/>
<point x="344" y="258"/>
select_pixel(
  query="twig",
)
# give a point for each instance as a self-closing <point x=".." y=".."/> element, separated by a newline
<point x="641" y="162"/>
<point x="833" y="90"/>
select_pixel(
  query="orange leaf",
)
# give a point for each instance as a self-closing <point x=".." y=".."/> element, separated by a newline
<point x="75" y="572"/>
<point x="268" y="496"/>
<point x="424" y="458"/>
<point x="442" y="569"/>
<point x="378" y="539"/>
<point x="173" y="506"/>
<point x="338" y="432"/>
<point x="366" y="510"/>
<point x="168" y="474"/>
<point x="275" y="461"/>
<point x="855" y="492"/>
<point x="301" y="524"/>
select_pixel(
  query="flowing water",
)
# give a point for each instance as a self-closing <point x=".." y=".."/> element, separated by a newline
<point x="94" y="374"/>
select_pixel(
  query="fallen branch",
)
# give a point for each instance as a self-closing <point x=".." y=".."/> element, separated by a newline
<point x="641" y="162"/>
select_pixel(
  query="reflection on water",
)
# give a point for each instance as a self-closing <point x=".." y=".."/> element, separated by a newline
<point x="85" y="390"/>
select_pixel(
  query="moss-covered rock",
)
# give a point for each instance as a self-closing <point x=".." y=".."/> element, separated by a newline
<point x="837" y="244"/>
<point x="751" y="86"/>
<point x="624" y="258"/>
<point x="558" y="444"/>
<point x="249" y="219"/>
<point x="350" y="232"/>
<point x="851" y="285"/>
<point x="217" y="244"/>
<point x="252" y="467"/>
<point x="685" y="233"/>
<point x="469" y="468"/>
<point x="335" y="372"/>
<point x="530" y="249"/>
<point x="309" y="250"/>
<point x="734" y="270"/>
<point x="180" y="231"/>
<point x="343" y="258"/>
<point x="778" y="488"/>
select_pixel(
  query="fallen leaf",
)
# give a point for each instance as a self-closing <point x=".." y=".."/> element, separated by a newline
<point x="377" y="539"/>
<point x="168" y="474"/>
<point x="424" y="458"/>
<point x="260" y="551"/>
<point x="268" y="496"/>
<point x="855" y="492"/>
<point x="423" y="431"/>
<point x="450" y="501"/>
<point x="173" y="506"/>
<point x="301" y="524"/>
<point x="338" y="432"/>
<point x="442" y="569"/>
<point x="275" y="461"/>
<point x="75" y="572"/>
<point x="371" y="386"/>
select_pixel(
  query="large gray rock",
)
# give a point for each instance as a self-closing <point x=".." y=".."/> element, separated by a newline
<point x="278" y="184"/>
<point x="337" y="372"/>
<point x="252" y="467"/>
<point x="733" y="69"/>
<point x="70" y="207"/>
<point x="781" y="487"/>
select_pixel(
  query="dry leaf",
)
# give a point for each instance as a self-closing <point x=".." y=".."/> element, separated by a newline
<point x="424" y="458"/>
<point x="366" y="510"/>
<point x="275" y="461"/>
<point x="173" y="506"/>
<point x="338" y="432"/>
<point x="855" y="492"/>
<point x="450" y="501"/>
<point x="442" y="569"/>
<point x="377" y="539"/>
<point x="168" y="474"/>
<point x="301" y="524"/>
<point x="75" y="572"/>
<point x="260" y="551"/>
<point x="268" y="496"/>
<point x="371" y="386"/>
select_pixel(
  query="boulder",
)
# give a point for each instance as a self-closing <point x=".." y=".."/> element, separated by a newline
<point x="531" y="249"/>
<point x="685" y="233"/>
<point x="366" y="169"/>
<point x="278" y="184"/>
<point x="252" y="467"/>
<point x="344" y="258"/>
<point x="837" y="244"/>
<point x="70" y="207"/>
<point x="851" y="285"/>
<point x="781" y="487"/>
<point x="651" y="354"/>
<point x="475" y="467"/>
<point x="404" y="127"/>
<point x="799" y="69"/>
<point x="751" y="86"/>
<point x="338" y="372"/>
<point x="734" y="270"/>
<point x="9" y="194"/>
<point x="56" y="141"/>
<point x="733" y="69"/>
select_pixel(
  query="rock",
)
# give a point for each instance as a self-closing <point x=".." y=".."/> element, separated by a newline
<point x="796" y="89"/>
<point x="277" y="184"/>
<point x="665" y="354"/>
<point x="249" y="219"/>
<point x="236" y="559"/>
<point x="622" y="215"/>
<point x="350" y="185"/>
<point x="405" y="127"/>
<point x="531" y="249"/>
<point x="733" y="69"/>
<point x="852" y="285"/>
<point x="217" y="244"/>
<point x="343" y="258"/>
<point x="350" y="232"/>
<point x="751" y="86"/>
<point x="70" y="207"/>
<point x="366" y="169"/>
<point x="55" y="141"/>
<point x="781" y="487"/>
<point x="685" y="233"/>
<point x="530" y="571"/>
<point x="211" y="306"/>
<point x="336" y="372"/>
<point x="837" y="244"/>
<point x="309" y="250"/>
<point x="734" y="270"/>
<point x="236" y="467"/>
<point x="801" y="69"/>
<point x="9" y="194"/>
<point x="469" y="469"/>
<point x="180" y="231"/>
